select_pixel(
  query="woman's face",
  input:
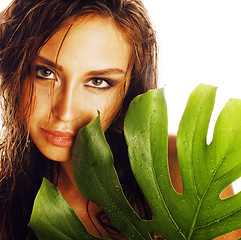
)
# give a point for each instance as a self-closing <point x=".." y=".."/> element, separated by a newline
<point x="91" y="75"/>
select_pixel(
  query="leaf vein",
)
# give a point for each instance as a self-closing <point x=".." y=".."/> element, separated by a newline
<point x="113" y="202"/>
<point x="201" y="200"/>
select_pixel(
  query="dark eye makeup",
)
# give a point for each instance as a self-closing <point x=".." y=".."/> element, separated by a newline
<point x="98" y="83"/>
<point x="42" y="72"/>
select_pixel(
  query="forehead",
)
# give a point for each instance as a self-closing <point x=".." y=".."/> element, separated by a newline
<point x="92" y="38"/>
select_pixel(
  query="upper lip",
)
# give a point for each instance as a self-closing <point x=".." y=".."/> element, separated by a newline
<point x="60" y="133"/>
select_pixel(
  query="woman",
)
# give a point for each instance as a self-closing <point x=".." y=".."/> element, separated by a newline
<point x="61" y="62"/>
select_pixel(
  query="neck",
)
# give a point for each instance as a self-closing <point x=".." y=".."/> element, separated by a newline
<point x="69" y="190"/>
<point x="86" y="210"/>
<point x="66" y="173"/>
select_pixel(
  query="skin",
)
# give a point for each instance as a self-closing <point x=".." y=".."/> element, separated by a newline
<point x="94" y="50"/>
<point x="68" y="97"/>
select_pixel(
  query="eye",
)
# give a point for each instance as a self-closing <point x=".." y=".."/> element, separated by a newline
<point x="44" y="73"/>
<point x="99" y="83"/>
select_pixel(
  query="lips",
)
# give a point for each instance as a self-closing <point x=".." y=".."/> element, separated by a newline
<point x="59" y="138"/>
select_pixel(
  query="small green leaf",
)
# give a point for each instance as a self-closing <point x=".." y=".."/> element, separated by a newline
<point x="53" y="218"/>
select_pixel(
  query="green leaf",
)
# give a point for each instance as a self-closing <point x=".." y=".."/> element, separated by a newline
<point x="53" y="218"/>
<point x="208" y="169"/>
<point x="97" y="179"/>
<point x="147" y="139"/>
<point x="197" y="213"/>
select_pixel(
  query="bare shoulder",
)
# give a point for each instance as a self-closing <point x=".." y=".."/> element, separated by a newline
<point x="173" y="164"/>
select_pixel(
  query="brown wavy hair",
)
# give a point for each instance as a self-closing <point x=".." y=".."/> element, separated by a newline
<point x="25" y="26"/>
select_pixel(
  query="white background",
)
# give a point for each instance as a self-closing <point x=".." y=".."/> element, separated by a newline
<point x="199" y="42"/>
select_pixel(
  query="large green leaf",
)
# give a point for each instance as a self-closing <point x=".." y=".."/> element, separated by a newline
<point x="97" y="179"/>
<point x="197" y="213"/>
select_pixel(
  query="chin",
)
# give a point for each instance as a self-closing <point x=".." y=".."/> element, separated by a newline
<point x="58" y="154"/>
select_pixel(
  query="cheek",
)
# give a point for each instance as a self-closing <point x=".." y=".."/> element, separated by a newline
<point x="112" y="107"/>
<point x="40" y="109"/>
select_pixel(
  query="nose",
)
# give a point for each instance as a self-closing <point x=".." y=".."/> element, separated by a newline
<point x="69" y="105"/>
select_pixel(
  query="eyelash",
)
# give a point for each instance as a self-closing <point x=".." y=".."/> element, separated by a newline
<point x="41" y="68"/>
<point x="109" y="82"/>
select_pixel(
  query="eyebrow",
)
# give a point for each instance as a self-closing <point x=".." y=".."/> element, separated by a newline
<point x="107" y="71"/>
<point x="49" y="63"/>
